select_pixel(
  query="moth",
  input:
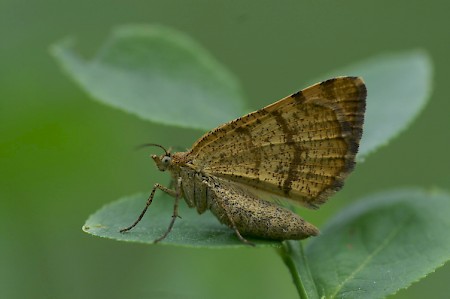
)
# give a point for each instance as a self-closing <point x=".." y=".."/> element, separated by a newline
<point x="299" y="149"/>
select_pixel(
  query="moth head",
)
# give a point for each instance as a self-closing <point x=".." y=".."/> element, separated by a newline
<point x="162" y="162"/>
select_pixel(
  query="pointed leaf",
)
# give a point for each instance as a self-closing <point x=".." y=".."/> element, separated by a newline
<point x="382" y="244"/>
<point x="157" y="74"/>
<point x="192" y="230"/>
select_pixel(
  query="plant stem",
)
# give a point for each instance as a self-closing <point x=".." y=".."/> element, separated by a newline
<point x="293" y="256"/>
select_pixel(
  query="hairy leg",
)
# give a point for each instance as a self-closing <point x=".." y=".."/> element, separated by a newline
<point x="149" y="202"/>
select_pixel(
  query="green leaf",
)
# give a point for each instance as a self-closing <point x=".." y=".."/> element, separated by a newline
<point x="382" y="244"/>
<point x="398" y="87"/>
<point x="157" y="74"/>
<point x="192" y="230"/>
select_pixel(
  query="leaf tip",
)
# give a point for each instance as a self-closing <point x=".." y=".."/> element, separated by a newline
<point x="58" y="48"/>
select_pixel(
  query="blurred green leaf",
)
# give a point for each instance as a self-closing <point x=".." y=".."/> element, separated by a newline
<point x="398" y="87"/>
<point x="382" y="244"/>
<point x="192" y="230"/>
<point x="157" y="74"/>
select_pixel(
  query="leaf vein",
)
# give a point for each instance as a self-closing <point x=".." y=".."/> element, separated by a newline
<point x="377" y="250"/>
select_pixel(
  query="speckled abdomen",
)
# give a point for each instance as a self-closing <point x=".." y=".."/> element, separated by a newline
<point x="253" y="216"/>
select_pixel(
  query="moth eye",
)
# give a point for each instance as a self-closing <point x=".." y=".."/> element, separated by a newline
<point x="166" y="160"/>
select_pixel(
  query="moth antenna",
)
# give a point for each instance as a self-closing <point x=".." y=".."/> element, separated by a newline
<point x="153" y="144"/>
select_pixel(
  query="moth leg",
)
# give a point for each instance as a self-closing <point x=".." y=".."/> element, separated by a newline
<point x="175" y="211"/>
<point x="149" y="201"/>
<point x="233" y="225"/>
<point x="172" y="184"/>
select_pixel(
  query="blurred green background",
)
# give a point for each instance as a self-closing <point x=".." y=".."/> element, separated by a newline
<point x="62" y="156"/>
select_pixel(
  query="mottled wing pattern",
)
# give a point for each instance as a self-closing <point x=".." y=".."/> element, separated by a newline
<point x="301" y="147"/>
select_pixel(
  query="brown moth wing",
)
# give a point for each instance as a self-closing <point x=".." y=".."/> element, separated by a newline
<point x="301" y="147"/>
